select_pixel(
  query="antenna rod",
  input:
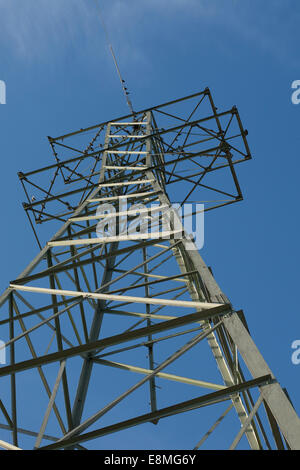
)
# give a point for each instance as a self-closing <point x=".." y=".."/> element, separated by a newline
<point x="122" y="81"/>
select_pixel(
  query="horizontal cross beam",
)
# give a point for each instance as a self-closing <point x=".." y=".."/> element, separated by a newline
<point x="188" y="405"/>
<point x="114" y="340"/>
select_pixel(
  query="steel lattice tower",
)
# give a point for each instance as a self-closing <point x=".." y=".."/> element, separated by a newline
<point x="113" y="327"/>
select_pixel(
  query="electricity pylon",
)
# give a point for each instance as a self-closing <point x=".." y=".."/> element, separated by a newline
<point x="118" y="323"/>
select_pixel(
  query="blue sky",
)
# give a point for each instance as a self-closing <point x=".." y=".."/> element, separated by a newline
<point x="60" y="77"/>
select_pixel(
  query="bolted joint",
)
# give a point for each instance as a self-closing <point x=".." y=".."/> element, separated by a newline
<point x="21" y="175"/>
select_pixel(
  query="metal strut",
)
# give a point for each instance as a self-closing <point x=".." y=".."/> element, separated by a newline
<point x="123" y="277"/>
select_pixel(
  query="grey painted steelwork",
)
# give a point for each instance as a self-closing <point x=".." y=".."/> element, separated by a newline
<point x="129" y="291"/>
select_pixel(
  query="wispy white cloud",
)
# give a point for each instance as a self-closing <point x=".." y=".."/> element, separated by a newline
<point x="32" y="28"/>
<point x="270" y="26"/>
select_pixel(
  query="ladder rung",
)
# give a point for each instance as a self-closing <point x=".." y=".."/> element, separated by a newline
<point x="125" y="196"/>
<point x="126" y="136"/>
<point x="126" y="167"/>
<point x="119" y="238"/>
<point x="128" y="123"/>
<point x="117" y="214"/>
<point x="134" y="152"/>
<point x="125" y="183"/>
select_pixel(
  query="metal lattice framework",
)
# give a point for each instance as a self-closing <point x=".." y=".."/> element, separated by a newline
<point x="103" y="303"/>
